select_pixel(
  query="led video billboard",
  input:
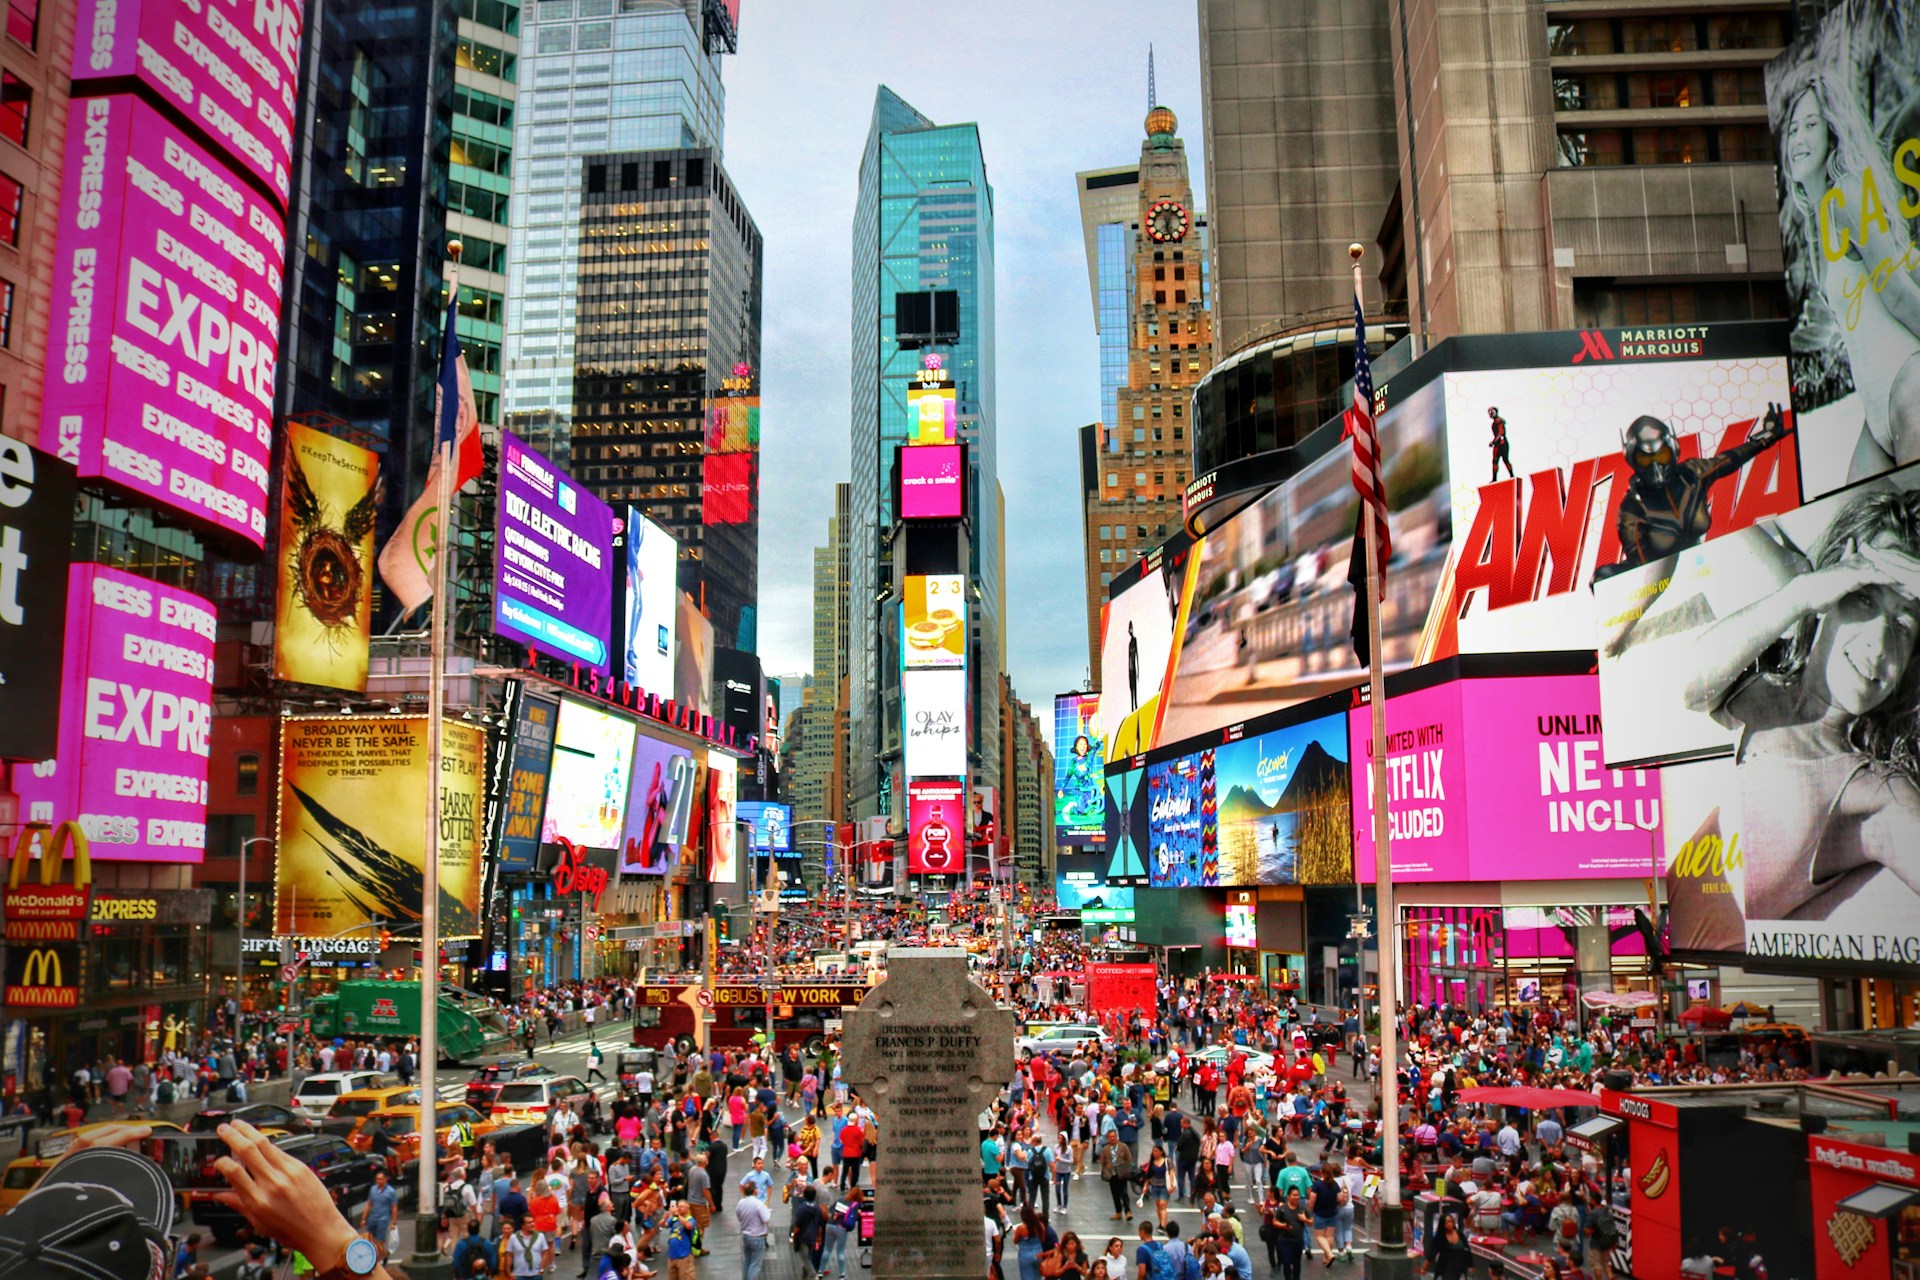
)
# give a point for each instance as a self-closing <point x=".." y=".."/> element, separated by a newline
<point x="772" y="825"/>
<point x="166" y="297"/>
<point x="324" y="613"/>
<point x="933" y="621"/>
<point x="1271" y="807"/>
<point x="723" y="859"/>
<point x="933" y="708"/>
<point x="1501" y="778"/>
<point x="727" y="485"/>
<point x="233" y="68"/>
<point x="526" y="800"/>
<point x="1610" y="445"/>
<point x="936" y="826"/>
<point x="1840" y="103"/>
<point x="933" y="413"/>
<point x="660" y="803"/>
<point x="36" y="529"/>
<point x="587" y="789"/>
<point x="933" y="481"/>
<point x="552" y="582"/>
<point x="1079" y="766"/>
<point x="134" y="740"/>
<point x="1694" y="643"/>
<point x="1241" y="929"/>
<point x="652" y="604"/>
<point x="351" y="842"/>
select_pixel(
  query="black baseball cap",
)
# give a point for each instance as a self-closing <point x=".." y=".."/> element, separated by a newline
<point x="100" y="1214"/>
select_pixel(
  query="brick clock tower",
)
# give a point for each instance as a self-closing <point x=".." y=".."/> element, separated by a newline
<point x="1146" y="457"/>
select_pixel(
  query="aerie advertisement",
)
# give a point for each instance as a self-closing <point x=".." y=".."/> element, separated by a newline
<point x="132" y="762"/>
<point x="166" y="319"/>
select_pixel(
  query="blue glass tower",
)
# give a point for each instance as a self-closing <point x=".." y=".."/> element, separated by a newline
<point x="924" y="221"/>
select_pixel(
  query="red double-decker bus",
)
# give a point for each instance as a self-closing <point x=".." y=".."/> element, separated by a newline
<point x="801" y="1011"/>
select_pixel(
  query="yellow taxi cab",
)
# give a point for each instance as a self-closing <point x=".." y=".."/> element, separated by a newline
<point x="402" y="1128"/>
<point x="349" y="1109"/>
<point x="24" y="1173"/>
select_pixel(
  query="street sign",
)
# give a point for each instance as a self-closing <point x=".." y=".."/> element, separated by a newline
<point x="288" y="972"/>
<point x="1359" y="926"/>
<point x="593" y="933"/>
<point x="704" y="998"/>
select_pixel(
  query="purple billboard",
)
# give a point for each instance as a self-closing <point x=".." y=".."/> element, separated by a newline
<point x="166" y="316"/>
<point x="132" y="761"/>
<point x="552" y="578"/>
<point x="229" y="65"/>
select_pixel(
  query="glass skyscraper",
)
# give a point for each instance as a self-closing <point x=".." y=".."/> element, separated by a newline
<point x="596" y="76"/>
<point x="924" y="221"/>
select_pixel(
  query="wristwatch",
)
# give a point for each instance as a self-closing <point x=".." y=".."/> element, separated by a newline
<point x="358" y="1262"/>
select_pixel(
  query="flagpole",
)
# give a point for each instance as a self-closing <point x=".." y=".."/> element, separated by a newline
<point x="426" y="1243"/>
<point x="1389" y="1257"/>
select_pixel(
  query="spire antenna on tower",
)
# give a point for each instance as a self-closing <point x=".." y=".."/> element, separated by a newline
<point x="1153" y="99"/>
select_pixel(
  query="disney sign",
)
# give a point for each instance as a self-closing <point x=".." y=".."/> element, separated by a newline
<point x="573" y="874"/>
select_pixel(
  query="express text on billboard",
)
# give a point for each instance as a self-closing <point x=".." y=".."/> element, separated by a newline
<point x="165" y="326"/>
<point x="230" y="65"/>
<point x="132" y="759"/>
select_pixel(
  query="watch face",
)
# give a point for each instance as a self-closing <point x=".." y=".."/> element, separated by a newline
<point x="1166" y="221"/>
<point x="362" y="1257"/>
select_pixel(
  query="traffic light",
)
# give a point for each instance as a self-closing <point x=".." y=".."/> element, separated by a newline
<point x="386" y="939"/>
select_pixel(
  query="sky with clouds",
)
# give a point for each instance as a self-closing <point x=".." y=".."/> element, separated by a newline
<point x="1056" y="86"/>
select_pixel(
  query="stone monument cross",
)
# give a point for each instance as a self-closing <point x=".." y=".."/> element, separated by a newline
<point x="928" y="1050"/>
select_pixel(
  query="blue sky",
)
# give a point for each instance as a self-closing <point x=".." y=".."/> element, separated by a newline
<point x="1056" y="86"/>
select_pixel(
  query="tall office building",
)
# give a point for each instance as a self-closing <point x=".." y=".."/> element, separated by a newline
<point x="667" y="319"/>
<point x="1147" y="266"/>
<point x="479" y="161"/>
<point x="816" y="767"/>
<point x="924" y="221"/>
<point x="602" y="76"/>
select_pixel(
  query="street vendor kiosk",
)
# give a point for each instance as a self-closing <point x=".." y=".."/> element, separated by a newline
<point x="1866" y="1206"/>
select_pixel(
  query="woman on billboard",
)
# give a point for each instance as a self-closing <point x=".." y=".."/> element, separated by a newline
<point x="1849" y="245"/>
<point x="1818" y="679"/>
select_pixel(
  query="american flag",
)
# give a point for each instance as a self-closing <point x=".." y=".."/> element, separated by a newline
<point x="1359" y="424"/>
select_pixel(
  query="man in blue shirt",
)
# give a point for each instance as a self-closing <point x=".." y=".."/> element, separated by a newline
<point x="376" y="1215"/>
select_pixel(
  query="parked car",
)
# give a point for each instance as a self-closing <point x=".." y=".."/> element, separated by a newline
<point x="318" y="1092"/>
<point x="271" y="1118"/>
<point x="338" y="1165"/>
<point x="487" y="1079"/>
<point x="1066" y="1037"/>
<point x="532" y="1101"/>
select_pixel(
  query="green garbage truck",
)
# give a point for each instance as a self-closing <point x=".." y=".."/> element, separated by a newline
<point x="380" y="1009"/>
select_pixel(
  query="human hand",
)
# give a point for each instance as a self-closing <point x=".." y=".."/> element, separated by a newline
<point x="1859" y="569"/>
<point x="281" y="1197"/>
<point x="1772" y="426"/>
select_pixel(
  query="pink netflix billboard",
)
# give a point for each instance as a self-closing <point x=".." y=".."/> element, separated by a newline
<point x="933" y="481"/>
<point x="1503" y="779"/>
<point x="132" y="759"/>
<point x="166" y="314"/>
<point x="231" y="66"/>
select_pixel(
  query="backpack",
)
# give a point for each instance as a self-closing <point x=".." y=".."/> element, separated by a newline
<point x="1037" y="1162"/>
<point x="1160" y="1262"/>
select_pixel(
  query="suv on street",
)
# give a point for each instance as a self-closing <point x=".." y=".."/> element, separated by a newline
<point x="1067" y="1037"/>
<point x="532" y="1101"/>
<point x="489" y="1078"/>
<point x="317" y="1093"/>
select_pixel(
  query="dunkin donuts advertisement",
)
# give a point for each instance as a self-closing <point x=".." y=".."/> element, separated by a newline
<point x="933" y="616"/>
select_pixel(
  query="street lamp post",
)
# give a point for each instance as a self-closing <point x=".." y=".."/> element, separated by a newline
<point x="240" y="942"/>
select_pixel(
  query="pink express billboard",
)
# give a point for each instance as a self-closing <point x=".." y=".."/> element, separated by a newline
<point x="229" y="65"/>
<point x="132" y="757"/>
<point x="1503" y="779"/>
<point x="166" y="313"/>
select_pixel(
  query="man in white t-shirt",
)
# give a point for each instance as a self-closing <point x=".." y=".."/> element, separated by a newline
<point x="993" y="1240"/>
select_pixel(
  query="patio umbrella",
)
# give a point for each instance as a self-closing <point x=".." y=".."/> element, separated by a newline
<point x="1704" y="1017"/>
<point x="1747" y="1009"/>
<point x="1530" y="1097"/>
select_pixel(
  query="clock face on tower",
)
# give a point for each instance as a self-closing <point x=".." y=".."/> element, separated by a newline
<point x="1166" y="222"/>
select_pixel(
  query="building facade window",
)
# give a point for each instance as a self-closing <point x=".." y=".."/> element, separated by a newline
<point x="23" y="21"/>
<point x="16" y="107"/>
